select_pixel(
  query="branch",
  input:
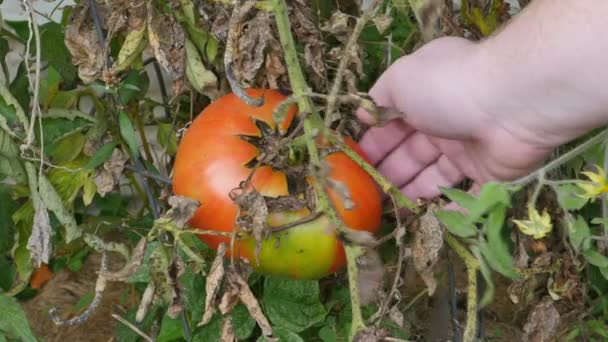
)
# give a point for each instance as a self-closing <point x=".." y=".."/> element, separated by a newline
<point x="312" y="123"/>
<point x="472" y="265"/>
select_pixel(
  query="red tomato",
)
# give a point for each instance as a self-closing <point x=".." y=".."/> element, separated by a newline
<point x="212" y="160"/>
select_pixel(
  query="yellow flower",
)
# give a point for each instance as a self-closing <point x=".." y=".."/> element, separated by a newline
<point x="537" y="225"/>
<point x="596" y="185"/>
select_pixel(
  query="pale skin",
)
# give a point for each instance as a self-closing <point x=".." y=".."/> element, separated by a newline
<point x="493" y="110"/>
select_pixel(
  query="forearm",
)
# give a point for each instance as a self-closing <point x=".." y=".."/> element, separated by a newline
<point x="550" y="64"/>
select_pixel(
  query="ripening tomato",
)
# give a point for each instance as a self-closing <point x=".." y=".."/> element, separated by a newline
<point x="217" y="154"/>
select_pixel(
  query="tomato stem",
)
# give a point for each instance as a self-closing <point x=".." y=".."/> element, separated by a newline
<point x="313" y="122"/>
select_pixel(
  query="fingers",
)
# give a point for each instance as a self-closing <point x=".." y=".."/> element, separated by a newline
<point x="408" y="159"/>
<point x="377" y="142"/>
<point x="442" y="173"/>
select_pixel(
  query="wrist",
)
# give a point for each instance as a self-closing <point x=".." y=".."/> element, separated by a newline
<point x="544" y="73"/>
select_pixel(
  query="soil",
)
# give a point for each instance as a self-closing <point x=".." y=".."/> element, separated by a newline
<point x="64" y="291"/>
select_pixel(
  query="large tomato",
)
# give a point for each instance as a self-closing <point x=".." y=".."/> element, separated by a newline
<point x="215" y="156"/>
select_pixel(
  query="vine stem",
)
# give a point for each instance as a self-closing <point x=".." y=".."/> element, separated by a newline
<point x="312" y="124"/>
<point x="566" y="157"/>
<point x="472" y="265"/>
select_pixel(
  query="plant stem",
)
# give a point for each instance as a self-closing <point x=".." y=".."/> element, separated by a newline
<point x="472" y="265"/>
<point x="314" y="122"/>
<point x="575" y="152"/>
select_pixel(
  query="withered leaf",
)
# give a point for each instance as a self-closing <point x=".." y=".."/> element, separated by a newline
<point x="167" y="39"/>
<point x="371" y="276"/>
<point x="428" y="241"/>
<point x="248" y="299"/>
<point x="176" y="269"/>
<point x="182" y="210"/>
<point x="108" y="177"/>
<point x="39" y="242"/>
<point x="382" y="22"/>
<point x="543" y="322"/>
<point x="258" y="53"/>
<point x="83" y="43"/>
<point x="227" y="330"/>
<point x="338" y="26"/>
<point x="132" y="265"/>
<point x="146" y="300"/>
<point x="213" y="283"/>
<point x="252" y="217"/>
<point x="229" y="300"/>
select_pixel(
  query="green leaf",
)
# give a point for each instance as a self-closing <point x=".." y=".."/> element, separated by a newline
<point x="13" y="320"/>
<point x="4" y="49"/>
<point x="101" y="155"/>
<point x="491" y="194"/>
<point x="595" y="258"/>
<point x="194" y="294"/>
<point x="242" y="322"/>
<point x="167" y="138"/>
<point x="10" y="165"/>
<point x="456" y="223"/>
<point x="170" y="330"/>
<point x="58" y="123"/>
<point x="210" y="332"/>
<point x="204" y="81"/>
<point x="9" y="112"/>
<point x="568" y="199"/>
<point x="486" y="272"/>
<point x="134" y="86"/>
<point x="53" y="202"/>
<point x="283" y="335"/>
<point x="54" y="51"/>
<point x="579" y="233"/>
<point x="20" y="87"/>
<point x="459" y="197"/>
<point x="496" y="249"/>
<point x="293" y="304"/>
<point x="68" y="148"/>
<point x="49" y="87"/>
<point x="134" y="44"/>
<point x="128" y="133"/>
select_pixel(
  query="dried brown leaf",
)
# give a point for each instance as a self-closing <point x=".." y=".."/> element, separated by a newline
<point x="371" y="276"/>
<point x="132" y="266"/>
<point x="302" y="21"/>
<point x="39" y="242"/>
<point x="248" y="299"/>
<point x="382" y="22"/>
<point x="108" y="177"/>
<point x="167" y="40"/>
<point x="257" y="54"/>
<point x="229" y="300"/>
<point x="213" y="284"/>
<point x="182" y="210"/>
<point x="176" y="269"/>
<point x="396" y="316"/>
<point x="253" y="216"/>
<point x="104" y="182"/>
<point x="338" y="26"/>
<point x="428" y="241"/>
<point x="83" y="43"/>
<point x="543" y="322"/>
<point x="227" y="330"/>
<point x="146" y="300"/>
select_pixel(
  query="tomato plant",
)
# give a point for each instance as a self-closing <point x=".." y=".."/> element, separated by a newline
<point x="218" y="152"/>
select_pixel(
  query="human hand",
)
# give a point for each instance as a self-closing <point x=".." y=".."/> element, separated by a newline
<point x="450" y="130"/>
